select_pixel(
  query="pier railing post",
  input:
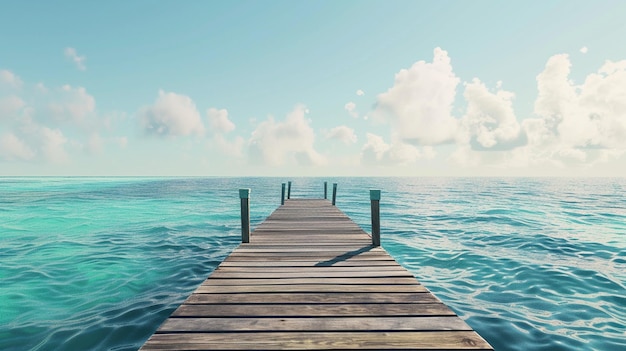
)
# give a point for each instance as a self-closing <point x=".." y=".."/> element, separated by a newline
<point x="375" y="199"/>
<point x="325" y="190"/>
<point x="289" y="189"/>
<point x="334" y="193"/>
<point x="244" y="195"/>
<point x="282" y="195"/>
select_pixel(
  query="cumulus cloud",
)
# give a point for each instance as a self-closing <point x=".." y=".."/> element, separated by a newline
<point x="418" y="108"/>
<point x="9" y="105"/>
<point x="72" y="55"/>
<point x="33" y="128"/>
<point x="588" y="116"/>
<point x="46" y="125"/>
<point x="291" y="141"/>
<point x="377" y="152"/>
<point x="10" y="80"/>
<point x="489" y="120"/>
<point x="351" y="108"/>
<point x="171" y="115"/>
<point x="71" y="104"/>
<point x="219" y="122"/>
<point x="420" y="102"/>
<point x="584" y="50"/>
<point x="33" y="141"/>
<point x="577" y="125"/>
<point x="343" y="134"/>
<point x="220" y="125"/>
<point x="52" y="144"/>
<point x="360" y="92"/>
<point x="13" y="148"/>
<point x="374" y="149"/>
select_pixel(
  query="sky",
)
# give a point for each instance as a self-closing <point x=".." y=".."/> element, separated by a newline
<point x="312" y="88"/>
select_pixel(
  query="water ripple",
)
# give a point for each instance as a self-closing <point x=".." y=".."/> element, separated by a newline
<point x="99" y="263"/>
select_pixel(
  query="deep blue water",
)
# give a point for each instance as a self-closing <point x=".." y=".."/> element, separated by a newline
<point x="99" y="263"/>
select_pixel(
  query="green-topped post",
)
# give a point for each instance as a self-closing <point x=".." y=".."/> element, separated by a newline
<point x="375" y="199"/>
<point x="244" y="195"/>
<point x="334" y="193"/>
<point x="289" y="190"/>
<point x="282" y="195"/>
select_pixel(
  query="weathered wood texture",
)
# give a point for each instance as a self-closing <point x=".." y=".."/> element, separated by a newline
<point x="310" y="280"/>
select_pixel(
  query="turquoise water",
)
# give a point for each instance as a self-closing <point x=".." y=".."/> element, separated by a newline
<point x="99" y="263"/>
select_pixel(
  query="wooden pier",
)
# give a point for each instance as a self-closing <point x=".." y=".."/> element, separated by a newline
<point x="310" y="279"/>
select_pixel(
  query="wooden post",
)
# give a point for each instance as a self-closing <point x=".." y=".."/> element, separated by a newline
<point x="244" y="195"/>
<point x="282" y="195"/>
<point x="334" y="193"/>
<point x="375" y="199"/>
<point x="289" y="189"/>
<point x="325" y="190"/>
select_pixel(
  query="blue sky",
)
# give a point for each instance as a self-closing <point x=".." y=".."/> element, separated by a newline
<point x="407" y="88"/>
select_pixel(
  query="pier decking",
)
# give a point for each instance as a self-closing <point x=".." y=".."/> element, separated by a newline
<point x="310" y="279"/>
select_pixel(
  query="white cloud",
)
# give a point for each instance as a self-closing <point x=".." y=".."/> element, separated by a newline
<point x="420" y="102"/>
<point x="377" y="152"/>
<point x="489" y="119"/>
<point x="9" y="105"/>
<point x="46" y="125"/>
<point x="52" y="143"/>
<point x="33" y="141"/>
<point x="404" y="154"/>
<point x="171" y="115"/>
<point x="10" y="80"/>
<point x="219" y="122"/>
<point x="343" y="134"/>
<point x="360" y="92"/>
<point x="41" y="88"/>
<point x="72" y="55"/>
<point x="12" y="148"/>
<point x="587" y="116"/>
<point x="579" y="125"/>
<point x="29" y="136"/>
<point x="277" y="143"/>
<point x="584" y="50"/>
<point x="374" y="149"/>
<point x="556" y="92"/>
<point x="71" y="105"/>
<point x="351" y="108"/>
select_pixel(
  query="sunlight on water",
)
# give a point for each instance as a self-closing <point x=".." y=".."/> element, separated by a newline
<point x="99" y="263"/>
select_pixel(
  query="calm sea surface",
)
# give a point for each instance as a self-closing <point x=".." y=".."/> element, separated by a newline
<point x="99" y="263"/>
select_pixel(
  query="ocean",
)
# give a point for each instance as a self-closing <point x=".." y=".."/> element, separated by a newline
<point x="99" y="263"/>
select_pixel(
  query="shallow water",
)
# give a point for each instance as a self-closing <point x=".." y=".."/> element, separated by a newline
<point x="99" y="263"/>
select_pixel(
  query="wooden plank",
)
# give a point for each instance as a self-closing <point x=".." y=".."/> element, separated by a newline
<point x="318" y="274"/>
<point x="308" y="298"/>
<point x="291" y="256"/>
<point x="307" y="288"/>
<point x="240" y="262"/>
<point x="313" y="310"/>
<point x="290" y="281"/>
<point x="220" y="324"/>
<point x="347" y="271"/>
<point x="422" y="340"/>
